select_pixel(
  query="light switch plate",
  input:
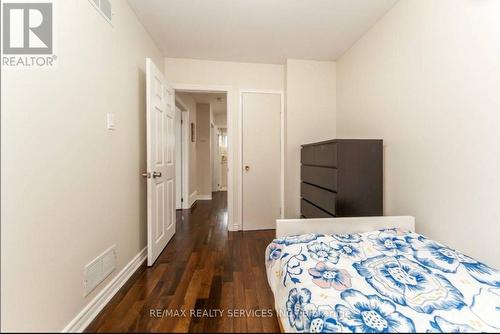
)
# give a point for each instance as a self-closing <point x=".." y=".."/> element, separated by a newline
<point x="110" y="121"/>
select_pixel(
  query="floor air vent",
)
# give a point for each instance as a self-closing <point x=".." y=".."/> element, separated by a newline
<point x="96" y="271"/>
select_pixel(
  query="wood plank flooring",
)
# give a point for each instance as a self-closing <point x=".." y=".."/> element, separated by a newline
<point x="204" y="268"/>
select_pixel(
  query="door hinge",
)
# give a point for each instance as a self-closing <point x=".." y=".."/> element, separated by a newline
<point x="182" y="199"/>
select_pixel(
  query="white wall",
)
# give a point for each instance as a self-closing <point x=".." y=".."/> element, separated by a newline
<point x="310" y="117"/>
<point x="73" y="188"/>
<point x="203" y="150"/>
<point x="426" y="79"/>
<point x="236" y="76"/>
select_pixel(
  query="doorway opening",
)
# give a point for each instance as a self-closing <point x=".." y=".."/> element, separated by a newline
<point x="202" y="147"/>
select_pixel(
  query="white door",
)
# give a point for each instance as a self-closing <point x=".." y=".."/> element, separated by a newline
<point x="178" y="158"/>
<point x="223" y="159"/>
<point x="160" y="116"/>
<point x="216" y="160"/>
<point x="261" y="205"/>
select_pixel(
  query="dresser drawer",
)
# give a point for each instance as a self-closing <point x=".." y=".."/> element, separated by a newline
<point x="310" y="211"/>
<point x="326" y="155"/>
<point x="320" y="197"/>
<point x="320" y="155"/>
<point x="307" y="155"/>
<point x="324" y="177"/>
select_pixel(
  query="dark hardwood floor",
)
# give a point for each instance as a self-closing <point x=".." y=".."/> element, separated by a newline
<point x="204" y="268"/>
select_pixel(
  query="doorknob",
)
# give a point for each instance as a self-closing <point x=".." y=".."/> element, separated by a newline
<point x="156" y="174"/>
<point x="146" y="175"/>
<point x="247" y="168"/>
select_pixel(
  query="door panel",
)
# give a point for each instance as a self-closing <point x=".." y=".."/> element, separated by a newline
<point x="160" y="211"/>
<point x="169" y="143"/>
<point x="261" y="113"/>
<point x="160" y="161"/>
<point x="160" y="133"/>
<point x="170" y="205"/>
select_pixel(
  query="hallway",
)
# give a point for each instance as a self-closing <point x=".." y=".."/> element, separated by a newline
<point x="203" y="268"/>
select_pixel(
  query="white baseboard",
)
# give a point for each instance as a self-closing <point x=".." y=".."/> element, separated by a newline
<point x="193" y="197"/>
<point x="204" y="197"/>
<point x="89" y="312"/>
<point x="233" y="227"/>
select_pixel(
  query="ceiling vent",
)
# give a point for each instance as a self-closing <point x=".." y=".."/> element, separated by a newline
<point x="104" y="8"/>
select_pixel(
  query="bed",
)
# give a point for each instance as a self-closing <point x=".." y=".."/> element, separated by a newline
<point x="376" y="275"/>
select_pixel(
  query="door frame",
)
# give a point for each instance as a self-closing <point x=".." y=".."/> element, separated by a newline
<point x="196" y="88"/>
<point x="178" y="162"/>
<point x="281" y="93"/>
<point x="185" y="152"/>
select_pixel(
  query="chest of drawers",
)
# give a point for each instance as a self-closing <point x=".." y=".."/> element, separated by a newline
<point x="342" y="178"/>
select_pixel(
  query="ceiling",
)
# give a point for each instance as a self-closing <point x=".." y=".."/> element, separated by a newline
<point x="217" y="101"/>
<point x="264" y="31"/>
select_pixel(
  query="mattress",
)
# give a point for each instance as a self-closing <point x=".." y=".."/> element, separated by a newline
<point x="382" y="281"/>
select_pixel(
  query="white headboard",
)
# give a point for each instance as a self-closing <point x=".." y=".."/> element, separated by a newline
<point x="286" y="227"/>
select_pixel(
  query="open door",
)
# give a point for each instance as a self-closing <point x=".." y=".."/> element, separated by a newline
<point x="160" y="161"/>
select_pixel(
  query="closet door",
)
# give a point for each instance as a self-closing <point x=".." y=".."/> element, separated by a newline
<point x="261" y="135"/>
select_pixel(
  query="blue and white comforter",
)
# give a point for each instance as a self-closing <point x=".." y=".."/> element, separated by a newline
<point x="382" y="281"/>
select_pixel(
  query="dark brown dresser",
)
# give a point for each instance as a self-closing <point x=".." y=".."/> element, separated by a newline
<point x="342" y="178"/>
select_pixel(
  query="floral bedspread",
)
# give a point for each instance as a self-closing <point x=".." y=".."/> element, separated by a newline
<point x="382" y="281"/>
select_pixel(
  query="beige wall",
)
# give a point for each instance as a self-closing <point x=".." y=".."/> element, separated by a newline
<point x="426" y="79"/>
<point x="190" y="103"/>
<point x="220" y="120"/>
<point x="234" y="75"/>
<point x="74" y="188"/>
<point x="310" y="116"/>
<point x="203" y="151"/>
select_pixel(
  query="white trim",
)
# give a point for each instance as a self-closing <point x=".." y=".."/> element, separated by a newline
<point x="185" y="151"/>
<point x="185" y="160"/>
<point x="89" y="312"/>
<point x="195" y="88"/>
<point x="180" y="104"/>
<point x="192" y="198"/>
<point x="286" y="227"/>
<point x="179" y="162"/>
<point x="282" y="153"/>
<point x="204" y="197"/>
<point x="231" y="194"/>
